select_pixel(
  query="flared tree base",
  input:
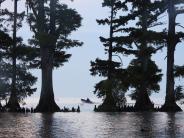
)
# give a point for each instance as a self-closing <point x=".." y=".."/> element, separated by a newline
<point x="170" y="107"/>
<point x="13" y="105"/>
<point x="46" y="106"/>
<point x="106" y="108"/>
<point x="108" y="105"/>
<point x="143" y="105"/>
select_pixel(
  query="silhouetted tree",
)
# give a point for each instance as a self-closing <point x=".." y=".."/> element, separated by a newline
<point x="179" y="91"/>
<point x="5" y="41"/>
<point x="173" y="39"/>
<point x="5" y="84"/>
<point x="21" y="80"/>
<point x="111" y="89"/>
<point x="52" y="24"/>
<point x="143" y="74"/>
<point x="179" y="71"/>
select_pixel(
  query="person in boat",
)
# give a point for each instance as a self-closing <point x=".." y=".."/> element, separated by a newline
<point x="87" y="100"/>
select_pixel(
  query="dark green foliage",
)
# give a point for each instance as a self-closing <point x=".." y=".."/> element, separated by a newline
<point x="142" y="42"/>
<point x="5" y="41"/>
<point x="101" y="67"/>
<point x="179" y="71"/>
<point x="24" y="80"/>
<point x="152" y="77"/>
<point x="113" y="88"/>
<point x="5" y="85"/>
<point x="179" y="93"/>
<point x="60" y="40"/>
<point x="52" y="24"/>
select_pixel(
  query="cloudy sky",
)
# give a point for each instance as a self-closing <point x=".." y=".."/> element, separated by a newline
<point x="74" y="80"/>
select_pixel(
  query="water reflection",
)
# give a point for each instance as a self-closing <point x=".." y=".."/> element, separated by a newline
<point x="46" y="126"/>
<point x="92" y="125"/>
<point x="14" y="125"/>
<point x="174" y="126"/>
<point x="145" y="125"/>
<point x="171" y="128"/>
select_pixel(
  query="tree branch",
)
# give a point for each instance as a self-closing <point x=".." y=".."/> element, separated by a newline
<point x="180" y="26"/>
<point x="33" y="9"/>
<point x="159" y="48"/>
<point x="180" y="12"/>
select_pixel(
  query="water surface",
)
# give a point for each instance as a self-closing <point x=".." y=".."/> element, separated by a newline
<point x="92" y="125"/>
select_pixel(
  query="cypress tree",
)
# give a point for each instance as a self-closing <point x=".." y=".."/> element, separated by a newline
<point x="143" y="73"/>
<point x="172" y="40"/>
<point x="112" y="89"/>
<point x="52" y="24"/>
<point x="22" y="81"/>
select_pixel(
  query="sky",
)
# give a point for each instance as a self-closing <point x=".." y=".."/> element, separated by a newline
<point x="73" y="80"/>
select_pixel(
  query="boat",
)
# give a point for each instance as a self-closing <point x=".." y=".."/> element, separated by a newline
<point x="88" y="101"/>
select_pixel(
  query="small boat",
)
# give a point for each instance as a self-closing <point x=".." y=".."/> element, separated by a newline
<point x="88" y="101"/>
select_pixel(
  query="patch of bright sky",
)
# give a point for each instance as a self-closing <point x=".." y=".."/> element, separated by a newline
<point x="74" y="79"/>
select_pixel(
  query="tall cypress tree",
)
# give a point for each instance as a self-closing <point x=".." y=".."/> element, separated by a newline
<point x="21" y="80"/>
<point x="173" y="39"/>
<point x="143" y="74"/>
<point x="13" y="101"/>
<point x="52" y="24"/>
<point x="112" y="87"/>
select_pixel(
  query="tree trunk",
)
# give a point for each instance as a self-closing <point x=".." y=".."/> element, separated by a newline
<point x="143" y="102"/>
<point x="13" y="103"/>
<point x="170" y="102"/>
<point x="109" y="104"/>
<point x="47" y="102"/>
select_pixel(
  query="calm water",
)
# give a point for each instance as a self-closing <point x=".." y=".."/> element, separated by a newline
<point x="92" y="125"/>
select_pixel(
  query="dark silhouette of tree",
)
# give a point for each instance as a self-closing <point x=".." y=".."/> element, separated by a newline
<point x="4" y="83"/>
<point x="5" y="41"/>
<point x="112" y="88"/>
<point x="52" y="24"/>
<point x="13" y="101"/>
<point x="179" y="71"/>
<point x="22" y="81"/>
<point x="173" y="39"/>
<point x="143" y="74"/>
<point x="179" y="91"/>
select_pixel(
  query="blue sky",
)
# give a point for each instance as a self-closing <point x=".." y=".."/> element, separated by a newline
<point x="74" y="79"/>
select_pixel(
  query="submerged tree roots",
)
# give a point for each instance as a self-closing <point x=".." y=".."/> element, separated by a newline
<point x="170" y="108"/>
<point x="108" y="108"/>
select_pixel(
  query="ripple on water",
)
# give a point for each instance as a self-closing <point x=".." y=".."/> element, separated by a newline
<point x="91" y="125"/>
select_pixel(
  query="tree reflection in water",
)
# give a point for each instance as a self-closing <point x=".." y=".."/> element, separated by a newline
<point x="92" y="125"/>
